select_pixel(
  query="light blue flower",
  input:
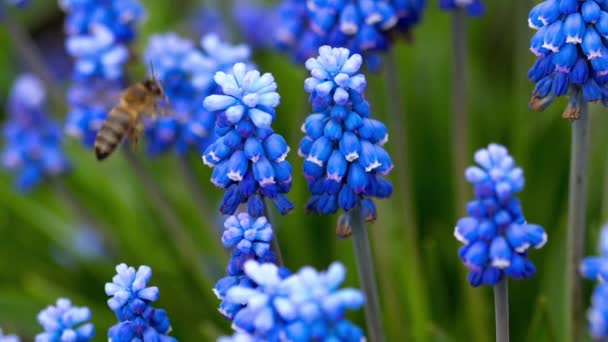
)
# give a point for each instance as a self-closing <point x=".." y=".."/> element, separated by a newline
<point x="32" y="139"/>
<point x="65" y="323"/>
<point x="8" y="338"/>
<point x="596" y="267"/>
<point x="495" y="235"/>
<point x="474" y="8"/>
<point x="305" y="306"/>
<point x="572" y="53"/>
<point x="130" y="300"/>
<point x="248" y="158"/>
<point x="597" y="315"/>
<point x="345" y="162"/>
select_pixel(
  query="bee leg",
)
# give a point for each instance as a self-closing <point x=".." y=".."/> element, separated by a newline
<point x="135" y="133"/>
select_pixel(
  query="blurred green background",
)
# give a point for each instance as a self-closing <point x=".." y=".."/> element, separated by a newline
<point x="41" y="259"/>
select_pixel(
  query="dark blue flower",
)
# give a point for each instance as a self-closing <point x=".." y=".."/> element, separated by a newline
<point x="256" y="22"/>
<point x="187" y="76"/>
<point x="65" y="323"/>
<point x="306" y="306"/>
<point x="248" y="158"/>
<point x="572" y="56"/>
<point x="596" y="267"/>
<point x="361" y="26"/>
<point x="345" y="162"/>
<point x="474" y="7"/>
<point x="8" y="338"/>
<point x="495" y="235"/>
<point x="130" y="300"/>
<point x="33" y="148"/>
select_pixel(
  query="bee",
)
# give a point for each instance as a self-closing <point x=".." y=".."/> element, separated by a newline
<point x="139" y="99"/>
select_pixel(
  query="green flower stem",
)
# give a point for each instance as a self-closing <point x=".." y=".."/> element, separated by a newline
<point x="274" y="245"/>
<point x="501" y="309"/>
<point x="413" y="278"/>
<point x="176" y="232"/>
<point x="579" y="165"/>
<point x="460" y="151"/>
<point x="365" y="266"/>
<point x="31" y="55"/>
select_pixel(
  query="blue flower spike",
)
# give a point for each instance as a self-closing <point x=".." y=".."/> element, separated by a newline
<point x="570" y="43"/>
<point x="131" y="300"/>
<point x="344" y="161"/>
<point x="65" y="323"/>
<point x="495" y="235"/>
<point x="248" y="157"/>
<point x="8" y="338"/>
<point x="33" y="149"/>
<point x="596" y="268"/>
<point x="365" y="27"/>
<point x="475" y="8"/>
<point x="305" y="306"/>
<point x="187" y="76"/>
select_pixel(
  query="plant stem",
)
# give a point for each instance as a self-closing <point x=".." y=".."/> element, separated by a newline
<point x="414" y="278"/>
<point x="191" y="180"/>
<point x="365" y="266"/>
<point x="460" y="150"/>
<point x="501" y="309"/>
<point x="579" y="164"/>
<point x="184" y="245"/>
<point x="276" y="248"/>
<point x="31" y="55"/>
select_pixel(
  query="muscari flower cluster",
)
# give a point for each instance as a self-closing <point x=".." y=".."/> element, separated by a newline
<point x="8" y="338"/>
<point x="131" y="302"/>
<point x="248" y="157"/>
<point x="572" y="55"/>
<point x="98" y="34"/>
<point x="362" y="26"/>
<point x="495" y="235"/>
<point x="305" y="306"/>
<point x="32" y="148"/>
<point x="187" y="77"/>
<point x="474" y="8"/>
<point x="65" y="323"/>
<point x="249" y="238"/>
<point x="255" y="24"/>
<point x="596" y="268"/>
<point x="344" y="159"/>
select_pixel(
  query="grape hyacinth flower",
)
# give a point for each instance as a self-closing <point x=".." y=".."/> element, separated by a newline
<point x="187" y="77"/>
<point x="8" y="338"/>
<point x="256" y="22"/>
<point x="344" y="159"/>
<point x="130" y="301"/>
<point x="248" y="157"/>
<point x="495" y="235"/>
<point x="570" y="43"/>
<point x="65" y="323"/>
<point x="33" y="148"/>
<point x="475" y="8"/>
<point x="363" y="27"/>
<point x="596" y="268"/>
<point x="306" y="306"/>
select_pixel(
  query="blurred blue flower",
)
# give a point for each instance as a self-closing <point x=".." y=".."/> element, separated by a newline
<point x="474" y="8"/>
<point x="130" y="300"/>
<point x="256" y="22"/>
<point x="8" y="338"/>
<point x="248" y="158"/>
<point x="495" y="235"/>
<point x="597" y="315"/>
<point x="32" y="148"/>
<point x="187" y="76"/>
<point x="596" y="267"/>
<point x="572" y="55"/>
<point x="18" y="3"/>
<point x="306" y="306"/>
<point x="361" y="26"/>
<point x="208" y="20"/>
<point x="240" y="337"/>
<point x="344" y="159"/>
<point x="65" y="323"/>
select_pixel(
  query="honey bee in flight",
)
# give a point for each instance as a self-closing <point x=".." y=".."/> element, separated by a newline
<point x="139" y="99"/>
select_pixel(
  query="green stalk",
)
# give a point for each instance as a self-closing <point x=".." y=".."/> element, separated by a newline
<point x="579" y="165"/>
<point x="501" y="309"/>
<point x="275" y="247"/>
<point x="460" y="150"/>
<point x="414" y="278"/>
<point x="365" y="266"/>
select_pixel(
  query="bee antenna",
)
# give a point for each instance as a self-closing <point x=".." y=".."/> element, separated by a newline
<point x="152" y="69"/>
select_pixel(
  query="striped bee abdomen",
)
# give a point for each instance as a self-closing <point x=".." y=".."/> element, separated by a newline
<point x="112" y="132"/>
